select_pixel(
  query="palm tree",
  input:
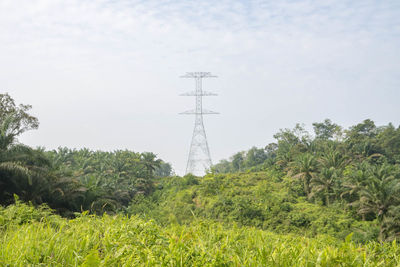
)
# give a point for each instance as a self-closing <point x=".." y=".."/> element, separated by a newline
<point x="150" y="163"/>
<point x="13" y="169"/>
<point x="324" y="182"/>
<point x="333" y="159"/>
<point x="17" y="162"/>
<point x="391" y="224"/>
<point x="66" y="195"/>
<point x="355" y="180"/>
<point x="284" y="160"/>
<point x="380" y="194"/>
<point x="304" y="168"/>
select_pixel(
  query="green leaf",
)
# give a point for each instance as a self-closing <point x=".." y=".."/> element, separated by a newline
<point x="92" y="259"/>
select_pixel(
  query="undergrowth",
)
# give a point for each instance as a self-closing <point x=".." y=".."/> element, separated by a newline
<point x="31" y="236"/>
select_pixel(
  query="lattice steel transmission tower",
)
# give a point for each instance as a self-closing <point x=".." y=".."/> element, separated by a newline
<point x="199" y="155"/>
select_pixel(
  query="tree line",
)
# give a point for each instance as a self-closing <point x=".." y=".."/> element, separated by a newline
<point x="69" y="180"/>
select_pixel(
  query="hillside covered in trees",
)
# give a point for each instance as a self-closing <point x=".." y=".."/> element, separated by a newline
<point x="331" y="197"/>
<point x="357" y="169"/>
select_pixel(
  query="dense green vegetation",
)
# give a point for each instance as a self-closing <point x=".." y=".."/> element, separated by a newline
<point x="33" y="236"/>
<point x="69" y="180"/>
<point x="355" y="169"/>
<point x="332" y="198"/>
<point x="257" y="199"/>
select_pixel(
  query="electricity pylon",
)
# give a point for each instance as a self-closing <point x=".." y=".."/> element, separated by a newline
<point x="199" y="155"/>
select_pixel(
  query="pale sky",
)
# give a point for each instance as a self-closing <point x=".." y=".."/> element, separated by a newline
<point x="104" y="74"/>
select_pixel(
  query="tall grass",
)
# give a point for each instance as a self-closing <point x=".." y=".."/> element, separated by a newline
<point x="34" y="237"/>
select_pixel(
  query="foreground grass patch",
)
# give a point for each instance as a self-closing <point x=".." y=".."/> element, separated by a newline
<point x="122" y="241"/>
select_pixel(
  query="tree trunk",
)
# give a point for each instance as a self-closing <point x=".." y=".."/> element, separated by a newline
<point x="380" y="231"/>
<point x="306" y="186"/>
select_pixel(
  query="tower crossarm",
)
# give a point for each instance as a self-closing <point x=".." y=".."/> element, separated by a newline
<point x="202" y="93"/>
<point x="193" y="111"/>
<point x="198" y="75"/>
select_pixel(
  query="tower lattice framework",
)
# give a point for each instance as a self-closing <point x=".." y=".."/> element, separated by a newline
<point x="199" y="155"/>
